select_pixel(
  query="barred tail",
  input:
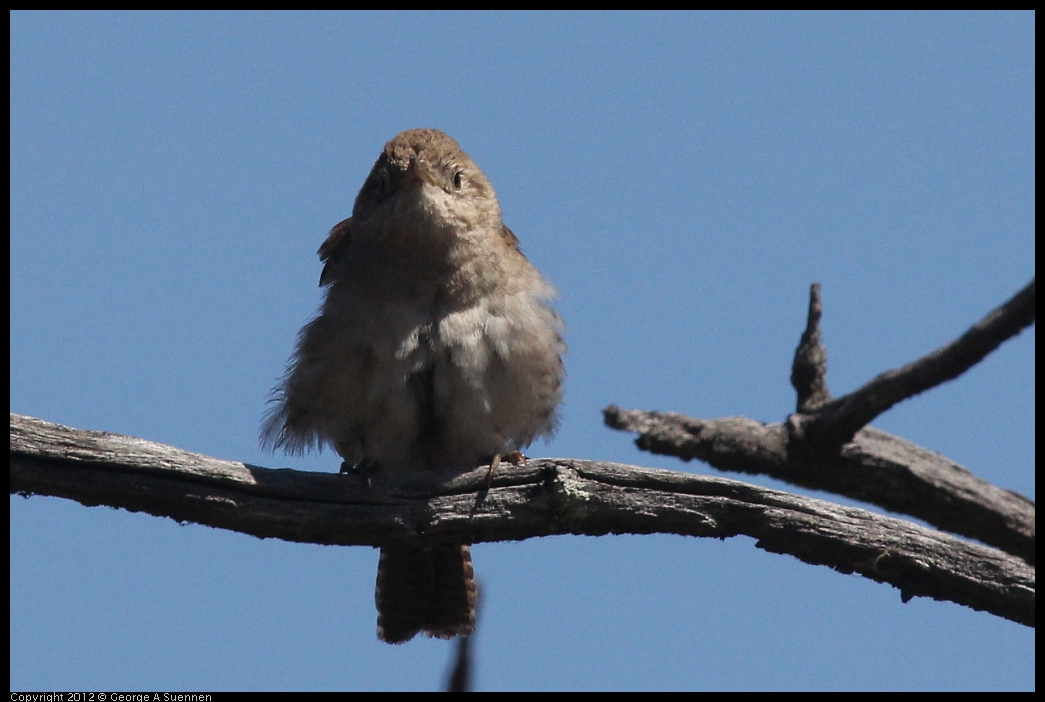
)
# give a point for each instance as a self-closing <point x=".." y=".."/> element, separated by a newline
<point x="428" y="589"/>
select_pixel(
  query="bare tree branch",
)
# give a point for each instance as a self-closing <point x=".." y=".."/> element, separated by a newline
<point x="836" y="422"/>
<point x="539" y="498"/>
<point x="825" y="446"/>
<point x="875" y="467"/>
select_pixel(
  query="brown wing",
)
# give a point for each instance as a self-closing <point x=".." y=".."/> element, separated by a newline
<point x="510" y="238"/>
<point x="333" y="249"/>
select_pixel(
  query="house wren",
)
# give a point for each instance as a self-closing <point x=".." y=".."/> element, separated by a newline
<point x="435" y="348"/>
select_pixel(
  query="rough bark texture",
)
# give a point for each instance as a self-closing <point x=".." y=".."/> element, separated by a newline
<point x="875" y="467"/>
<point x="539" y="498"/>
<point x="827" y="445"/>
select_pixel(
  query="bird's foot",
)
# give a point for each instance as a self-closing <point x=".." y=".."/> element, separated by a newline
<point x="362" y="470"/>
<point x="515" y="458"/>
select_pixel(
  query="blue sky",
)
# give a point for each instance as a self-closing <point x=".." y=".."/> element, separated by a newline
<point x="681" y="178"/>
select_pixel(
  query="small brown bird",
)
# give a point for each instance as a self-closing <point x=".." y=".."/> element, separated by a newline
<point x="435" y="348"/>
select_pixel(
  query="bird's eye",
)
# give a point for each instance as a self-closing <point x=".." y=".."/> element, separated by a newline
<point x="457" y="180"/>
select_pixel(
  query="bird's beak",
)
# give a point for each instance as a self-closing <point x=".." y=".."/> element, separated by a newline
<point x="417" y="171"/>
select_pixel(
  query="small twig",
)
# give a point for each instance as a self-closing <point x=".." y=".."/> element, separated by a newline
<point x="835" y="423"/>
<point x="809" y="369"/>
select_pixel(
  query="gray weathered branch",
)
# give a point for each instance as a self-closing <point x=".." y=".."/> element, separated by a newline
<point x="875" y="467"/>
<point x="539" y="498"/>
<point x="826" y="445"/>
<point x="831" y="423"/>
<point x="809" y="369"/>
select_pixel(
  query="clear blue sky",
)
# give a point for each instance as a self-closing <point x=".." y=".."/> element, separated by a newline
<point x="681" y="178"/>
